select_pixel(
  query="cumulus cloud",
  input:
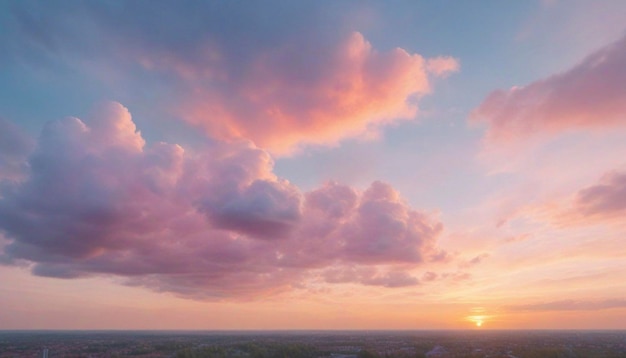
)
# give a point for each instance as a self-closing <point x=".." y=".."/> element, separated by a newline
<point x="218" y="222"/>
<point x="589" y="95"/>
<point x="383" y="229"/>
<point x="310" y="92"/>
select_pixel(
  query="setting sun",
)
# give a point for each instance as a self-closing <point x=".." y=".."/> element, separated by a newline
<point x="478" y="319"/>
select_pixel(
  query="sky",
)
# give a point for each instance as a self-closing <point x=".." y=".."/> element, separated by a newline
<point x="273" y="165"/>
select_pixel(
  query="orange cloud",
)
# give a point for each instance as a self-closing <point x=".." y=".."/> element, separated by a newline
<point x="316" y="94"/>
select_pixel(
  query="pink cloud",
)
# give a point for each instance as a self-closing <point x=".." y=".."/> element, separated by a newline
<point x="429" y="276"/>
<point x="604" y="199"/>
<point x="443" y="66"/>
<point x="456" y="276"/>
<point x="474" y="260"/>
<point x="603" y="202"/>
<point x="369" y="228"/>
<point x="279" y="85"/>
<point x="217" y="223"/>
<point x="589" y="95"/>
<point x="305" y="93"/>
<point x="385" y="229"/>
<point x="370" y="276"/>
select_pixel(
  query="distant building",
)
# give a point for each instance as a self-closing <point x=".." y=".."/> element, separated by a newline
<point x="44" y="353"/>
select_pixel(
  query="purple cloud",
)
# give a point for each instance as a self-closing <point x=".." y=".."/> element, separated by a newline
<point x="214" y="223"/>
<point x="606" y="199"/>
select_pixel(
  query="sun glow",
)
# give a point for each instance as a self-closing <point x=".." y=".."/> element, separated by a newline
<point x="478" y="320"/>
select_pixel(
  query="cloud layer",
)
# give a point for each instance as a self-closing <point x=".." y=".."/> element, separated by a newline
<point x="589" y="95"/>
<point x="216" y="223"/>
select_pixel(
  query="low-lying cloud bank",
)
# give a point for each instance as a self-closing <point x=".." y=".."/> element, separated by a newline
<point x="218" y="223"/>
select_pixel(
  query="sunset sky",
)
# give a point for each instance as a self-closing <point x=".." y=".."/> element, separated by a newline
<point x="312" y="164"/>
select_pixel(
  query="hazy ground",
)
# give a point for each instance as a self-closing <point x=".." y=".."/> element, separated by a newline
<point x="343" y="344"/>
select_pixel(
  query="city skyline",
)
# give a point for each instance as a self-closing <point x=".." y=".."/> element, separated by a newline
<point x="312" y="165"/>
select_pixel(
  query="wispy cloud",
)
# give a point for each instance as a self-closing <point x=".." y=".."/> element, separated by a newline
<point x="589" y="95"/>
<point x="570" y="305"/>
<point x="606" y="198"/>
